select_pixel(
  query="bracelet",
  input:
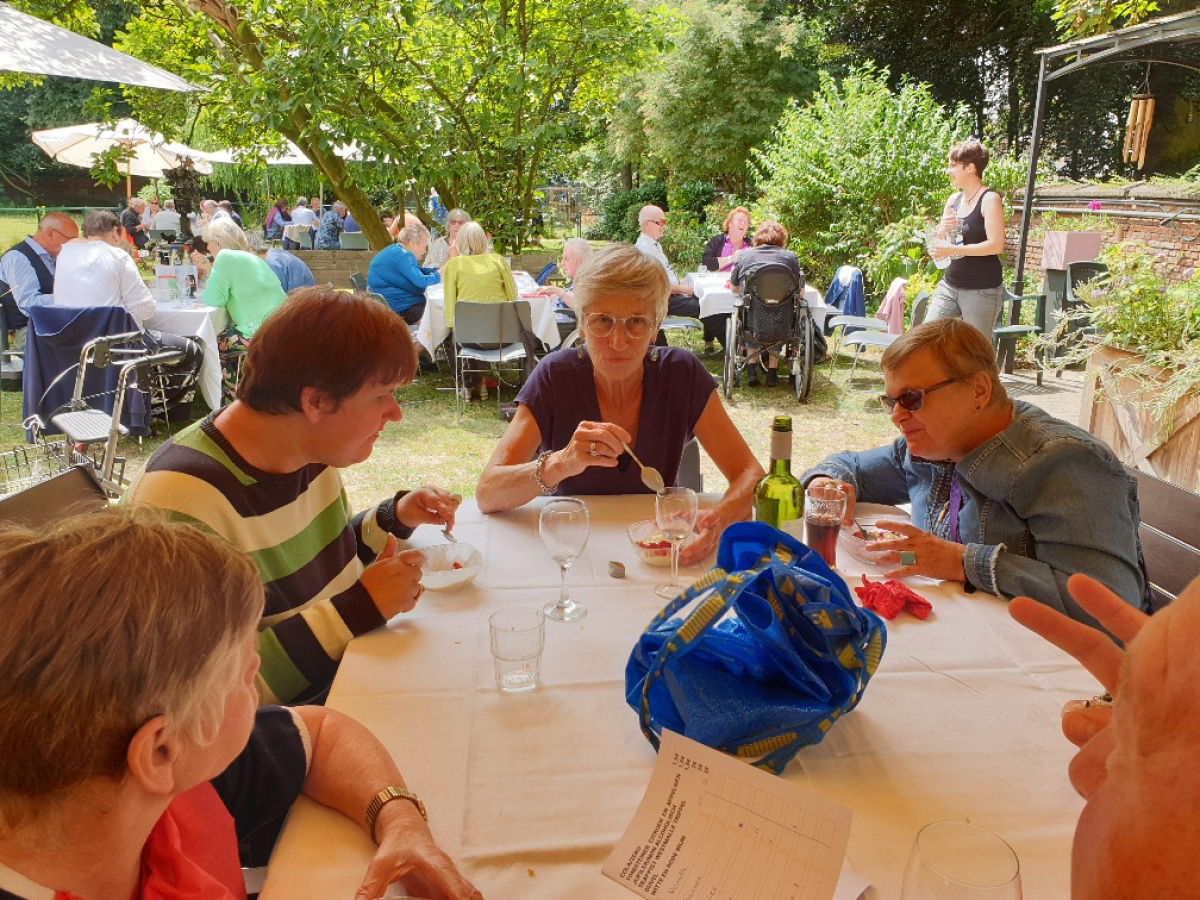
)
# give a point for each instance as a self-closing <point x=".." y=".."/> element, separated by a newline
<point x="387" y="795"/>
<point x="537" y="474"/>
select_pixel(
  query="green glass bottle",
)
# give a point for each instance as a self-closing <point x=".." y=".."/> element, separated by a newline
<point x="778" y="497"/>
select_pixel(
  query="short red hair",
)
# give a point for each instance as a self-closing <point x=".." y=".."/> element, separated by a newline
<point x="330" y="340"/>
<point x="733" y="212"/>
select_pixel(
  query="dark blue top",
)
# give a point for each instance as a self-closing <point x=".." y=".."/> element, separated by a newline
<point x="561" y="393"/>
<point x="395" y="275"/>
<point x="290" y="270"/>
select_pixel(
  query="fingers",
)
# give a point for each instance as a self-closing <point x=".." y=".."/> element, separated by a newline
<point x="1081" y="722"/>
<point x="1089" y="769"/>
<point x="1121" y="619"/>
<point x="1090" y="647"/>
<point x="389" y="549"/>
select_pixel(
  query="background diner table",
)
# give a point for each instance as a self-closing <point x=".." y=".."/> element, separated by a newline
<point x="716" y="297"/>
<point x="530" y="792"/>
<point x="176" y="316"/>
<point x="433" y="330"/>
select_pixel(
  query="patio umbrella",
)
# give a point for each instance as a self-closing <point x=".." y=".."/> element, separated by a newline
<point x="39" y="48"/>
<point x="152" y="153"/>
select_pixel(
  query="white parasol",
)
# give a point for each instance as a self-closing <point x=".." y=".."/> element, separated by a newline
<point x="152" y="153"/>
<point x="36" y="47"/>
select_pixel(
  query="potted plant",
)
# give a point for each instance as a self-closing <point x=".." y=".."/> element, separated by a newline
<point x="1143" y="357"/>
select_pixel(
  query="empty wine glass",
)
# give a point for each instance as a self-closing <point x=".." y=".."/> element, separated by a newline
<point x="957" y="861"/>
<point x="675" y="513"/>
<point x="563" y="526"/>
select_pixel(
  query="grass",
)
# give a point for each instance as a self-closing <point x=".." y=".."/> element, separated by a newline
<point x="431" y="445"/>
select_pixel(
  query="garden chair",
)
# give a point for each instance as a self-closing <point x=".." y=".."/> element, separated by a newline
<point x="1170" y="536"/>
<point x="353" y="240"/>
<point x="1006" y="335"/>
<point x="547" y="271"/>
<point x="488" y="336"/>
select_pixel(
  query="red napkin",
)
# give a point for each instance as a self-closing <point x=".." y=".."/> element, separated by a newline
<point x="890" y="598"/>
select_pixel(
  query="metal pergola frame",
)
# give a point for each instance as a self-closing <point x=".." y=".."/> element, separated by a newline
<point x="1134" y="44"/>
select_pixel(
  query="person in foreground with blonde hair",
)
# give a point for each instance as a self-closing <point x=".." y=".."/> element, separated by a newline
<point x="135" y="761"/>
<point x="580" y="405"/>
<point x="1005" y="498"/>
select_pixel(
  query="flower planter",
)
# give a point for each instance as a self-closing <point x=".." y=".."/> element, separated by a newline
<point x="1138" y="438"/>
<point x="1062" y="247"/>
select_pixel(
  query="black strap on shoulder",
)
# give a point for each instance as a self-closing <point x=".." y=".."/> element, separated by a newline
<point x="44" y="275"/>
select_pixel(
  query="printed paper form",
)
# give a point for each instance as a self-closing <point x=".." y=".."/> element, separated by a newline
<point x="711" y="827"/>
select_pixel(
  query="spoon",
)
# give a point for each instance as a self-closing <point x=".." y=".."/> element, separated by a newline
<point x="862" y="532"/>
<point x="651" y="477"/>
<point x="457" y="498"/>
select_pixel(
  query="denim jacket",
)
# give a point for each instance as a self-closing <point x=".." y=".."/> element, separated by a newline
<point x="1042" y="500"/>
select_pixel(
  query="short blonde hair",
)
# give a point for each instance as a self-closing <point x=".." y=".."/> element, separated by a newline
<point x="227" y="233"/>
<point x="959" y="348"/>
<point x="622" y="270"/>
<point x="110" y="619"/>
<point x="471" y="239"/>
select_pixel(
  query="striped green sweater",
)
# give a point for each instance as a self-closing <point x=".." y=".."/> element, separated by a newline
<point x="298" y="530"/>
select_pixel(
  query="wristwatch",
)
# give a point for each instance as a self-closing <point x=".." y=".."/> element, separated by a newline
<point x="387" y="795"/>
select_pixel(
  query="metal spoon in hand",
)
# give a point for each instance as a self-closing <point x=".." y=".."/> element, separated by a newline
<point x="457" y="498"/>
<point x="651" y="477"/>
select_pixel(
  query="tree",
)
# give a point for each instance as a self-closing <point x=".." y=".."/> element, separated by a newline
<point x="469" y="96"/>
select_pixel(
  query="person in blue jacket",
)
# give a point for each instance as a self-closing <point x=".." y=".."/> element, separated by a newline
<point x="396" y="273"/>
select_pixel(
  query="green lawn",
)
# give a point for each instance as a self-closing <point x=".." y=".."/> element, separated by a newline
<point x="431" y="444"/>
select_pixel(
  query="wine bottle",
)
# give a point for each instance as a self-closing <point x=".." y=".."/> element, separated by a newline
<point x="778" y="497"/>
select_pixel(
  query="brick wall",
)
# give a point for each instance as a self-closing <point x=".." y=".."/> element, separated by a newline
<point x="335" y="266"/>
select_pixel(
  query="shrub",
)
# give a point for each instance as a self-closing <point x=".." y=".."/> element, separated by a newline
<point x="855" y="160"/>
<point x="615" y="220"/>
<point x="684" y="240"/>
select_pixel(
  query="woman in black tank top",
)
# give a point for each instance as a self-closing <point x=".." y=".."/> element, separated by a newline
<point x="971" y="289"/>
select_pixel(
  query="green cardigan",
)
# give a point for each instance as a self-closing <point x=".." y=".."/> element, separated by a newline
<point x="246" y="286"/>
<point x="483" y="278"/>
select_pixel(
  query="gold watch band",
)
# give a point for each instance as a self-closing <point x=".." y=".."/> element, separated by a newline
<point x="387" y="795"/>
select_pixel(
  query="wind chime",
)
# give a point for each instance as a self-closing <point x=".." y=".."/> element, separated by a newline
<point x="1137" y="128"/>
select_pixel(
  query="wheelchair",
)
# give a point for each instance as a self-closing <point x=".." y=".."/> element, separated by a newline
<point x="771" y="316"/>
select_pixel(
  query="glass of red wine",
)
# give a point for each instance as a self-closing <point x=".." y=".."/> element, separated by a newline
<point x="824" y="509"/>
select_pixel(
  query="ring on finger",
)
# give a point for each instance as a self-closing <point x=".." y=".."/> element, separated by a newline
<point x="908" y="558"/>
<point x="420" y="591"/>
<point x="592" y="449"/>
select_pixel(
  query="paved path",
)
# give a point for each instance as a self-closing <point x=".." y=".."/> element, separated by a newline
<point x="1061" y="397"/>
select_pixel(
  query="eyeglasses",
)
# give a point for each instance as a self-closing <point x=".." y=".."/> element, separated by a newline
<point x="657" y="221"/>
<point x="601" y="325"/>
<point x="912" y="400"/>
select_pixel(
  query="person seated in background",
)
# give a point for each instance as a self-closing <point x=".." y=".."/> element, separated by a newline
<point x="153" y="208"/>
<point x="332" y="225"/>
<point x="241" y="282"/>
<point x="769" y="248"/>
<point x="208" y="212"/>
<point x="97" y="270"/>
<point x="302" y="215"/>
<point x="580" y="405"/>
<point x="27" y="272"/>
<point x="723" y="250"/>
<point x="1137" y="835"/>
<point x="349" y="225"/>
<point x="682" y="300"/>
<point x="277" y="217"/>
<point x="167" y="219"/>
<point x="1005" y="498"/>
<point x="396" y="273"/>
<point x="131" y="222"/>
<point x="135" y="761"/>
<point x="387" y="217"/>
<point x="444" y="248"/>
<point x="474" y="273"/>
<point x="317" y="389"/>
<point x="225" y="208"/>
<point x="289" y="269"/>
<point x="574" y="252"/>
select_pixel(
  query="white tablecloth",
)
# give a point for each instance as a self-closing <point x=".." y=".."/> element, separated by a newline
<point x="292" y="232"/>
<point x="529" y="793"/>
<point x="204" y="322"/>
<point x="716" y="297"/>
<point x="433" y="329"/>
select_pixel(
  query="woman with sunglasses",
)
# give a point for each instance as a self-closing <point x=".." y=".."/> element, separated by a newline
<point x="581" y="405"/>
<point x="1005" y="498"/>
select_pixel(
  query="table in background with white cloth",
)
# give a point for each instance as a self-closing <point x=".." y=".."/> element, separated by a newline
<point x="530" y="792"/>
<point x="717" y="297"/>
<point x="205" y="323"/>
<point x="433" y="330"/>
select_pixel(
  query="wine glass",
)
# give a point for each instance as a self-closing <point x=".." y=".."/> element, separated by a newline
<point x="957" y="861"/>
<point x="563" y="526"/>
<point x="675" y="513"/>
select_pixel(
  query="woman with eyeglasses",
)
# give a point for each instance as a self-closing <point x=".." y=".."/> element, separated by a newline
<point x="580" y="406"/>
<point x="1005" y="498"/>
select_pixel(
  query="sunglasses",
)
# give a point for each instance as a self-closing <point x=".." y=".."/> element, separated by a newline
<point x="912" y="400"/>
<point x="657" y="221"/>
<point x="601" y="325"/>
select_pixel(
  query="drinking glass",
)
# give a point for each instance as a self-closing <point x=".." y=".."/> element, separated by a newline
<point x="957" y="861"/>
<point x="675" y="512"/>
<point x="563" y="526"/>
<point x="518" y="635"/>
<point x="824" y="509"/>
